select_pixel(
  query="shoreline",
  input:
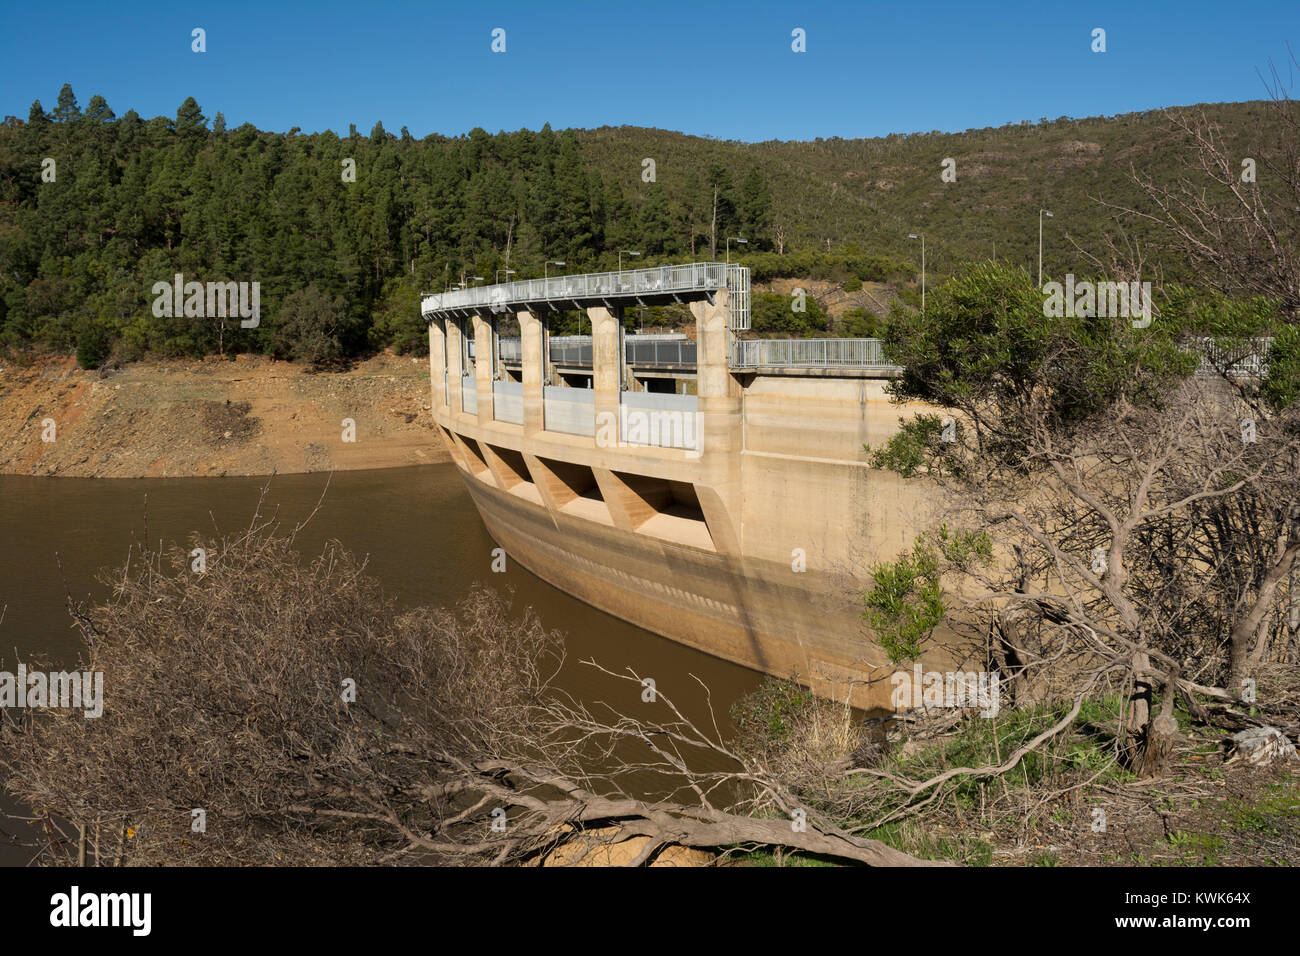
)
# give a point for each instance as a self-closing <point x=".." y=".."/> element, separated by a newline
<point x="247" y="416"/>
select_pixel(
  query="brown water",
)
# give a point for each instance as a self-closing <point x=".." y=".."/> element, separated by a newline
<point x="424" y="541"/>
<point x="423" y="538"/>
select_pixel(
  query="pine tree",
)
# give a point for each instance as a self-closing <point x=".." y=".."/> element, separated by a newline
<point x="190" y="120"/>
<point x="67" y="111"/>
<point x="98" y="112"/>
<point x="722" y="216"/>
<point x="756" y="208"/>
<point x="656" y="222"/>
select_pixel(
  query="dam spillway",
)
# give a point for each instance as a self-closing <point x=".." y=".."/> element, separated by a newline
<point x="736" y="514"/>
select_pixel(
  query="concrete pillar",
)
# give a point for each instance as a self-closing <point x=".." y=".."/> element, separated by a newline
<point x="719" y="418"/>
<point x="713" y="341"/>
<point x="532" y="334"/>
<point x="483" y="367"/>
<point x="455" y="349"/>
<point x="606" y="360"/>
<point x="437" y="364"/>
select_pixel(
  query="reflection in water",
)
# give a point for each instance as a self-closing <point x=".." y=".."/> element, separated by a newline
<point x="424" y="542"/>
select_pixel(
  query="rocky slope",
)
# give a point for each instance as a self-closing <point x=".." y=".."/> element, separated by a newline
<point x="249" y="416"/>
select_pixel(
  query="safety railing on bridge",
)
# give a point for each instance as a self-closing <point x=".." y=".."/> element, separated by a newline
<point x="692" y="279"/>
<point x="571" y="350"/>
<point x="646" y="350"/>
<point x="808" y="353"/>
<point x="510" y="350"/>
<point x="679" y="351"/>
<point x="1246" y="359"/>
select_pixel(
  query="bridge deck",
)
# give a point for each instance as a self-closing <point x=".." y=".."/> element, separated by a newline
<point x="658" y="285"/>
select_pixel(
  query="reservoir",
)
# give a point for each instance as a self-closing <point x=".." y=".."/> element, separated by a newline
<point x="422" y="537"/>
<point x="417" y="527"/>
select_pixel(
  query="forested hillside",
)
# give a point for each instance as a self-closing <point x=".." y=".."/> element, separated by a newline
<point x="343" y="234"/>
<point x="871" y="193"/>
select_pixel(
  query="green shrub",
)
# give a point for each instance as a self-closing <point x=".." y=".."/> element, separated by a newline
<point x="764" y="717"/>
<point x="93" y="346"/>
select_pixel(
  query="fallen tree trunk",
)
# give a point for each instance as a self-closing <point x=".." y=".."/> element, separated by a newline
<point x="703" y="827"/>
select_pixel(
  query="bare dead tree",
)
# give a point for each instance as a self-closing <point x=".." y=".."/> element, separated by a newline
<point x="1233" y="211"/>
<point x="312" y="723"/>
<point x="1131" y="546"/>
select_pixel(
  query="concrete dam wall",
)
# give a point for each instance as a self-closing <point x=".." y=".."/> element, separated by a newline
<point x="736" y="514"/>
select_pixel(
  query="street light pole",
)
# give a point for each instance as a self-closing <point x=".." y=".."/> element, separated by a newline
<point x="738" y="241"/>
<point x="621" y="254"/>
<point x="1041" y="213"/>
<point x="546" y="281"/>
<point x="912" y="235"/>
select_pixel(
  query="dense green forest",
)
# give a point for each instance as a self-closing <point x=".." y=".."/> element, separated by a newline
<point x="344" y="234"/>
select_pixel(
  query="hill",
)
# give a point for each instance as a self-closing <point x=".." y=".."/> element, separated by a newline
<point x="344" y="233"/>
<point x="869" y="194"/>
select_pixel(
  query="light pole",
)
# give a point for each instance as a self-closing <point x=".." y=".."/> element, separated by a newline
<point x="546" y="281"/>
<point x="912" y="235"/>
<point x="1041" y="214"/>
<point x="738" y="241"/>
<point x="494" y="338"/>
<point x="621" y="254"/>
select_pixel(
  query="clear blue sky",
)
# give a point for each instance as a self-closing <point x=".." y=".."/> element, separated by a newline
<point x="708" y="68"/>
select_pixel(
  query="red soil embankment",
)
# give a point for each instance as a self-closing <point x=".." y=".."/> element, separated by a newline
<point x="249" y="416"/>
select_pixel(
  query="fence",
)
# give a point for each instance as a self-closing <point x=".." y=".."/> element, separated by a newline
<point x="809" y="353"/>
<point x="571" y="350"/>
<point x="1246" y="360"/>
<point x="648" y="350"/>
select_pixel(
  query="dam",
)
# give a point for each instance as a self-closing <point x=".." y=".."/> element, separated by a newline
<point x="712" y="488"/>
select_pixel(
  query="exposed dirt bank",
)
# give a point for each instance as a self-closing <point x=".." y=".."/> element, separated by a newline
<point x="250" y="416"/>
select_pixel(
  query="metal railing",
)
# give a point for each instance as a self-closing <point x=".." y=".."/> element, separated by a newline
<point x="675" y="353"/>
<point x="681" y="352"/>
<point x="571" y="350"/>
<point x="808" y="353"/>
<point x="693" y="279"/>
<point x="1247" y="360"/>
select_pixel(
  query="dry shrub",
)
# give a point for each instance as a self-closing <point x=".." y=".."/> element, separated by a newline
<point x="224" y="691"/>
